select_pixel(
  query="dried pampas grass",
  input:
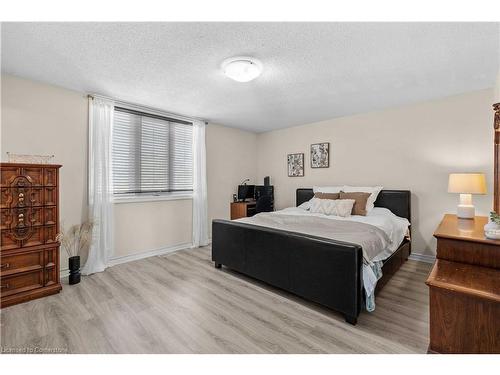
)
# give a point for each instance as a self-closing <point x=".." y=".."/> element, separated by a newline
<point x="77" y="238"/>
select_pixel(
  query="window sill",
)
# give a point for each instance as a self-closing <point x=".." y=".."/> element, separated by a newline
<point x="152" y="198"/>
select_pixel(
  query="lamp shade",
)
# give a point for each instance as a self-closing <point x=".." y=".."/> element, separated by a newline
<point x="467" y="183"/>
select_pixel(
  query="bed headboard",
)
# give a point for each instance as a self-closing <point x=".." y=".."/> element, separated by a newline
<point x="398" y="201"/>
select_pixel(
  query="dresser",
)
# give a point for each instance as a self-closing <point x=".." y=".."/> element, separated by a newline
<point x="464" y="289"/>
<point x="29" y="250"/>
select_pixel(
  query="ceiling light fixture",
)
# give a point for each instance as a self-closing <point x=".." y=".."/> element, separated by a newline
<point x="242" y="69"/>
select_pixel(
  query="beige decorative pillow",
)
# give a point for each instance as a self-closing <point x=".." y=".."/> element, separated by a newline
<point x="373" y="190"/>
<point x="336" y="207"/>
<point x="327" y="195"/>
<point x="359" y="207"/>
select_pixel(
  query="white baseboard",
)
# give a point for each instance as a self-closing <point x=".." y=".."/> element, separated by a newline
<point x="64" y="273"/>
<point x="422" y="258"/>
<point x="145" y="254"/>
<point x="150" y="253"/>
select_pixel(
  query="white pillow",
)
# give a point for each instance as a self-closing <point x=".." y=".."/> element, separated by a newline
<point x="336" y="207"/>
<point x="306" y="205"/>
<point x="373" y="190"/>
<point x="327" y="189"/>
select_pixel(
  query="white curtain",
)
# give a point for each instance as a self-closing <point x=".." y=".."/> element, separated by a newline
<point x="100" y="184"/>
<point x="200" y="215"/>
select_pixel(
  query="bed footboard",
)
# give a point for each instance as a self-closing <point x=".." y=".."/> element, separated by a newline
<point x="321" y="270"/>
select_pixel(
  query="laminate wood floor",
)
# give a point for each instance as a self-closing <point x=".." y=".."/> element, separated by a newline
<point x="180" y="303"/>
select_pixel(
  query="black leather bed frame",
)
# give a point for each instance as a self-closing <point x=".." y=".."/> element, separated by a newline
<point x="321" y="270"/>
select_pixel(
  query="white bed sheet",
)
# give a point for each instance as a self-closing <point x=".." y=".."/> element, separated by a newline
<point x="394" y="226"/>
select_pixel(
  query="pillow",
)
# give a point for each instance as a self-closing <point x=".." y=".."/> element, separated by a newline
<point x="359" y="207"/>
<point x="373" y="190"/>
<point x="306" y="205"/>
<point x="327" y="195"/>
<point x="327" y="189"/>
<point x="336" y="207"/>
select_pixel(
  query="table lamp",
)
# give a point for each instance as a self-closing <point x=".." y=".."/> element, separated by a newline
<point x="466" y="184"/>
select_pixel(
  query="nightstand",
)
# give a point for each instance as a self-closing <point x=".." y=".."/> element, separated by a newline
<point x="242" y="209"/>
<point x="464" y="289"/>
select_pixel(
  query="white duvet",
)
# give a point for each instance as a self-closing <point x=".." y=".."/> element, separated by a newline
<point x="394" y="226"/>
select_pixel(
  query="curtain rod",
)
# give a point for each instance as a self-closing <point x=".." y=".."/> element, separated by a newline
<point x="146" y="108"/>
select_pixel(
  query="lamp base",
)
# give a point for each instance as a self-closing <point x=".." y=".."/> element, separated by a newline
<point x="466" y="211"/>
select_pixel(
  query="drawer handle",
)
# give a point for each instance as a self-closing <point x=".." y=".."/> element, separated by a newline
<point x="6" y="286"/>
<point x="6" y="265"/>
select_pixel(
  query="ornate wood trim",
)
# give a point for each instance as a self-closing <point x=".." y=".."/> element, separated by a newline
<point x="496" y="126"/>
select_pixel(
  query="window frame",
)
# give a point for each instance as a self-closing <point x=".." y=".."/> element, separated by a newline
<point x="157" y="195"/>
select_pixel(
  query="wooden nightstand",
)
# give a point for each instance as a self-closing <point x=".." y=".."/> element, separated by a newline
<point x="464" y="289"/>
<point x="242" y="209"/>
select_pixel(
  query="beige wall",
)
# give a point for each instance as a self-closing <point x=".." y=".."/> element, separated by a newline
<point x="412" y="147"/>
<point x="497" y="89"/>
<point x="42" y="119"/>
<point x="147" y="226"/>
<point x="231" y="158"/>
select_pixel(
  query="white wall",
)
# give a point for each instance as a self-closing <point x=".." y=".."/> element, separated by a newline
<point x="413" y="147"/>
<point x="38" y="118"/>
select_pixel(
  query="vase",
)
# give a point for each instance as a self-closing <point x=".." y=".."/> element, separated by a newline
<point x="74" y="269"/>
<point x="492" y="230"/>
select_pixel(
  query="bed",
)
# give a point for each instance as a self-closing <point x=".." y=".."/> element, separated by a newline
<point x="323" y="270"/>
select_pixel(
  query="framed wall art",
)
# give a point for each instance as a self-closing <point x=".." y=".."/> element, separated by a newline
<point x="320" y="155"/>
<point x="295" y="165"/>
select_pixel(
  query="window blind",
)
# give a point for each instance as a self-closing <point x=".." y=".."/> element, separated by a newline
<point x="151" y="154"/>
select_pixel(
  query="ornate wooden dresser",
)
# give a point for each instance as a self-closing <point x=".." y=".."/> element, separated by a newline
<point x="29" y="251"/>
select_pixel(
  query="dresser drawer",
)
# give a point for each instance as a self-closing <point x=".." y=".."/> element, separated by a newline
<point x="50" y="196"/>
<point x="23" y="197"/>
<point x="6" y="219"/>
<point x="8" y="241"/>
<point x="21" y="282"/>
<point x="34" y="236"/>
<point x="34" y="175"/>
<point x="50" y="177"/>
<point x="8" y="174"/>
<point x="6" y="197"/>
<point x="21" y="262"/>
<point x="35" y="216"/>
<point x="37" y="237"/>
<point x="50" y="215"/>
<point x="50" y="234"/>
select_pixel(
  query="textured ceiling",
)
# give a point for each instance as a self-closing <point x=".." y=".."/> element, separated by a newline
<point x="312" y="71"/>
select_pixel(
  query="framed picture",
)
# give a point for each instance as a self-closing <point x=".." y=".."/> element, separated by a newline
<point x="295" y="165"/>
<point x="320" y="155"/>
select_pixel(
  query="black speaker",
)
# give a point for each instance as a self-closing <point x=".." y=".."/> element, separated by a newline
<point x="264" y="195"/>
<point x="261" y="191"/>
<point x="267" y="181"/>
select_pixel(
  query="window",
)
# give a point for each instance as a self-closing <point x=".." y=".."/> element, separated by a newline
<point x="151" y="154"/>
